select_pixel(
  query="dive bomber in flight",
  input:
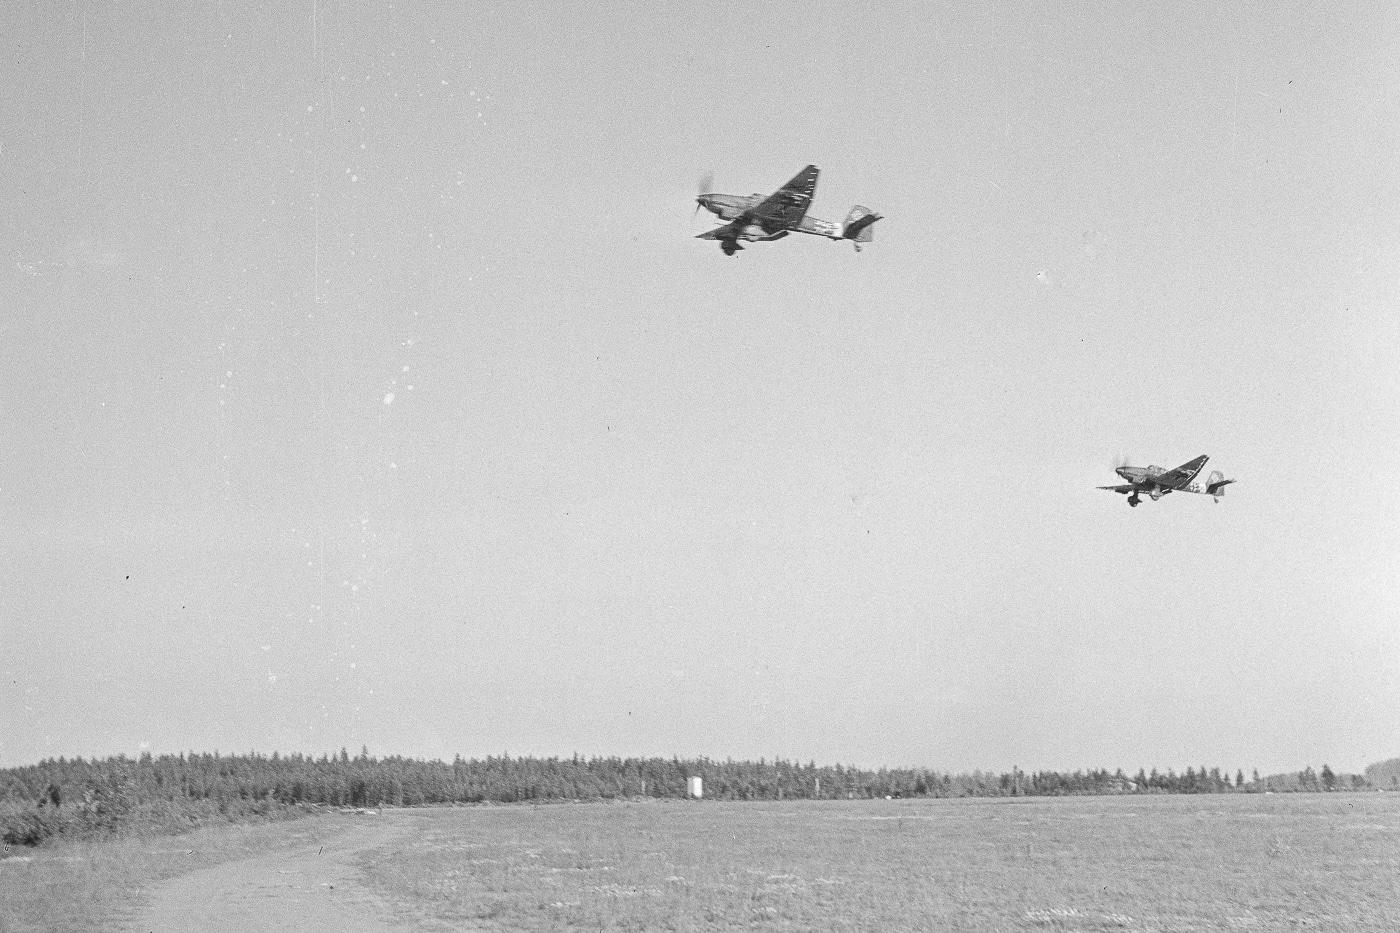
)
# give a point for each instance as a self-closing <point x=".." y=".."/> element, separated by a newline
<point x="756" y="217"/>
<point x="1157" y="482"/>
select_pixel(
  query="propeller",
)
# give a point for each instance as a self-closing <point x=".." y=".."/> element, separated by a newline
<point x="703" y="187"/>
<point x="1121" y="460"/>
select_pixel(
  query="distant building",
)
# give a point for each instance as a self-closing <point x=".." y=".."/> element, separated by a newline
<point x="695" y="787"/>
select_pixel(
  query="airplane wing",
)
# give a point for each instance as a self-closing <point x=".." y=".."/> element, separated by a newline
<point x="1123" y="489"/>
<point x="786" y="206"/>
<point x="1175" y="479"/>
<point x="729" y="231"/>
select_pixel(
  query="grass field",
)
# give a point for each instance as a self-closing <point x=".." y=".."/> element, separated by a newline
<point x="71" y="887"/>
<point x="1149" y="863"/>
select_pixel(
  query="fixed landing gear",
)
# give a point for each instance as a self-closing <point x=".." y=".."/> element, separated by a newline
<point x="1133" y="500"/>
<point x="730" y="247"/>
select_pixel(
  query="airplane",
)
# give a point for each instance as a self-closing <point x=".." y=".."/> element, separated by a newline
<point x="1157" y="482"/>
<point x="774" y="217"/>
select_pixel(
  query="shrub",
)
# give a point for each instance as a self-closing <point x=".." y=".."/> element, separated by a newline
<point x="29" y="827"/>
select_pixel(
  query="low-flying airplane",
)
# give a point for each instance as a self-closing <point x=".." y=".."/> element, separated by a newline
<point x="1157" y="482"/>
<point x="773" y="217"/>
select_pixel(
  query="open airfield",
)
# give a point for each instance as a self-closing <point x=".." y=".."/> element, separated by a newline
<point x="1131" y="863"/>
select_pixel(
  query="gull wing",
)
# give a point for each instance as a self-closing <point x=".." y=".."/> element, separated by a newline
<point x="1123" y="489"/>
<point x="788" y="205"/>
<point x="1176" y="479"/>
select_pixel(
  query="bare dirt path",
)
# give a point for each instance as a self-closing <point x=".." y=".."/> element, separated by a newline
<point x="315" y="888"/>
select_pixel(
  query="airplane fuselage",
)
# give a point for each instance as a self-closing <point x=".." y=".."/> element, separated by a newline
<point x="1144" y="479"/>
<point x="730" y="207"/>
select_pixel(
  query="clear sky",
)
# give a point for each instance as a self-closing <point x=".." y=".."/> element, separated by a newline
<point x="361" y="382"/>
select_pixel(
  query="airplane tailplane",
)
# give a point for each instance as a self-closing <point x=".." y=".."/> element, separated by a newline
<point x="1215" y="485"/>
<point x="857" y="227"/>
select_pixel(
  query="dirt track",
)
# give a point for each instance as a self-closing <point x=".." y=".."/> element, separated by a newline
<point x="309" y="889"/>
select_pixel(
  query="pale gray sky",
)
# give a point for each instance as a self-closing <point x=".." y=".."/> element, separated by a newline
<point x="361" y="383"/>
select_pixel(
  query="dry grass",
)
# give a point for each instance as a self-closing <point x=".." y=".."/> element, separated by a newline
<point x="1211" y="863"/>
<point x="81" y="886"/>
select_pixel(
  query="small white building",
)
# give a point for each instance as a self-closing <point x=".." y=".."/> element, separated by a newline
<point x="696" y="787"/>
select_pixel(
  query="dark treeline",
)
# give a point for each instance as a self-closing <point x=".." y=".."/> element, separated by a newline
<point x="170" y="792"/>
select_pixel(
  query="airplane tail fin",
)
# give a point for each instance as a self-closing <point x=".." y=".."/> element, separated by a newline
<point x="858" y="224"/>
<point x="1215" y="485"/>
